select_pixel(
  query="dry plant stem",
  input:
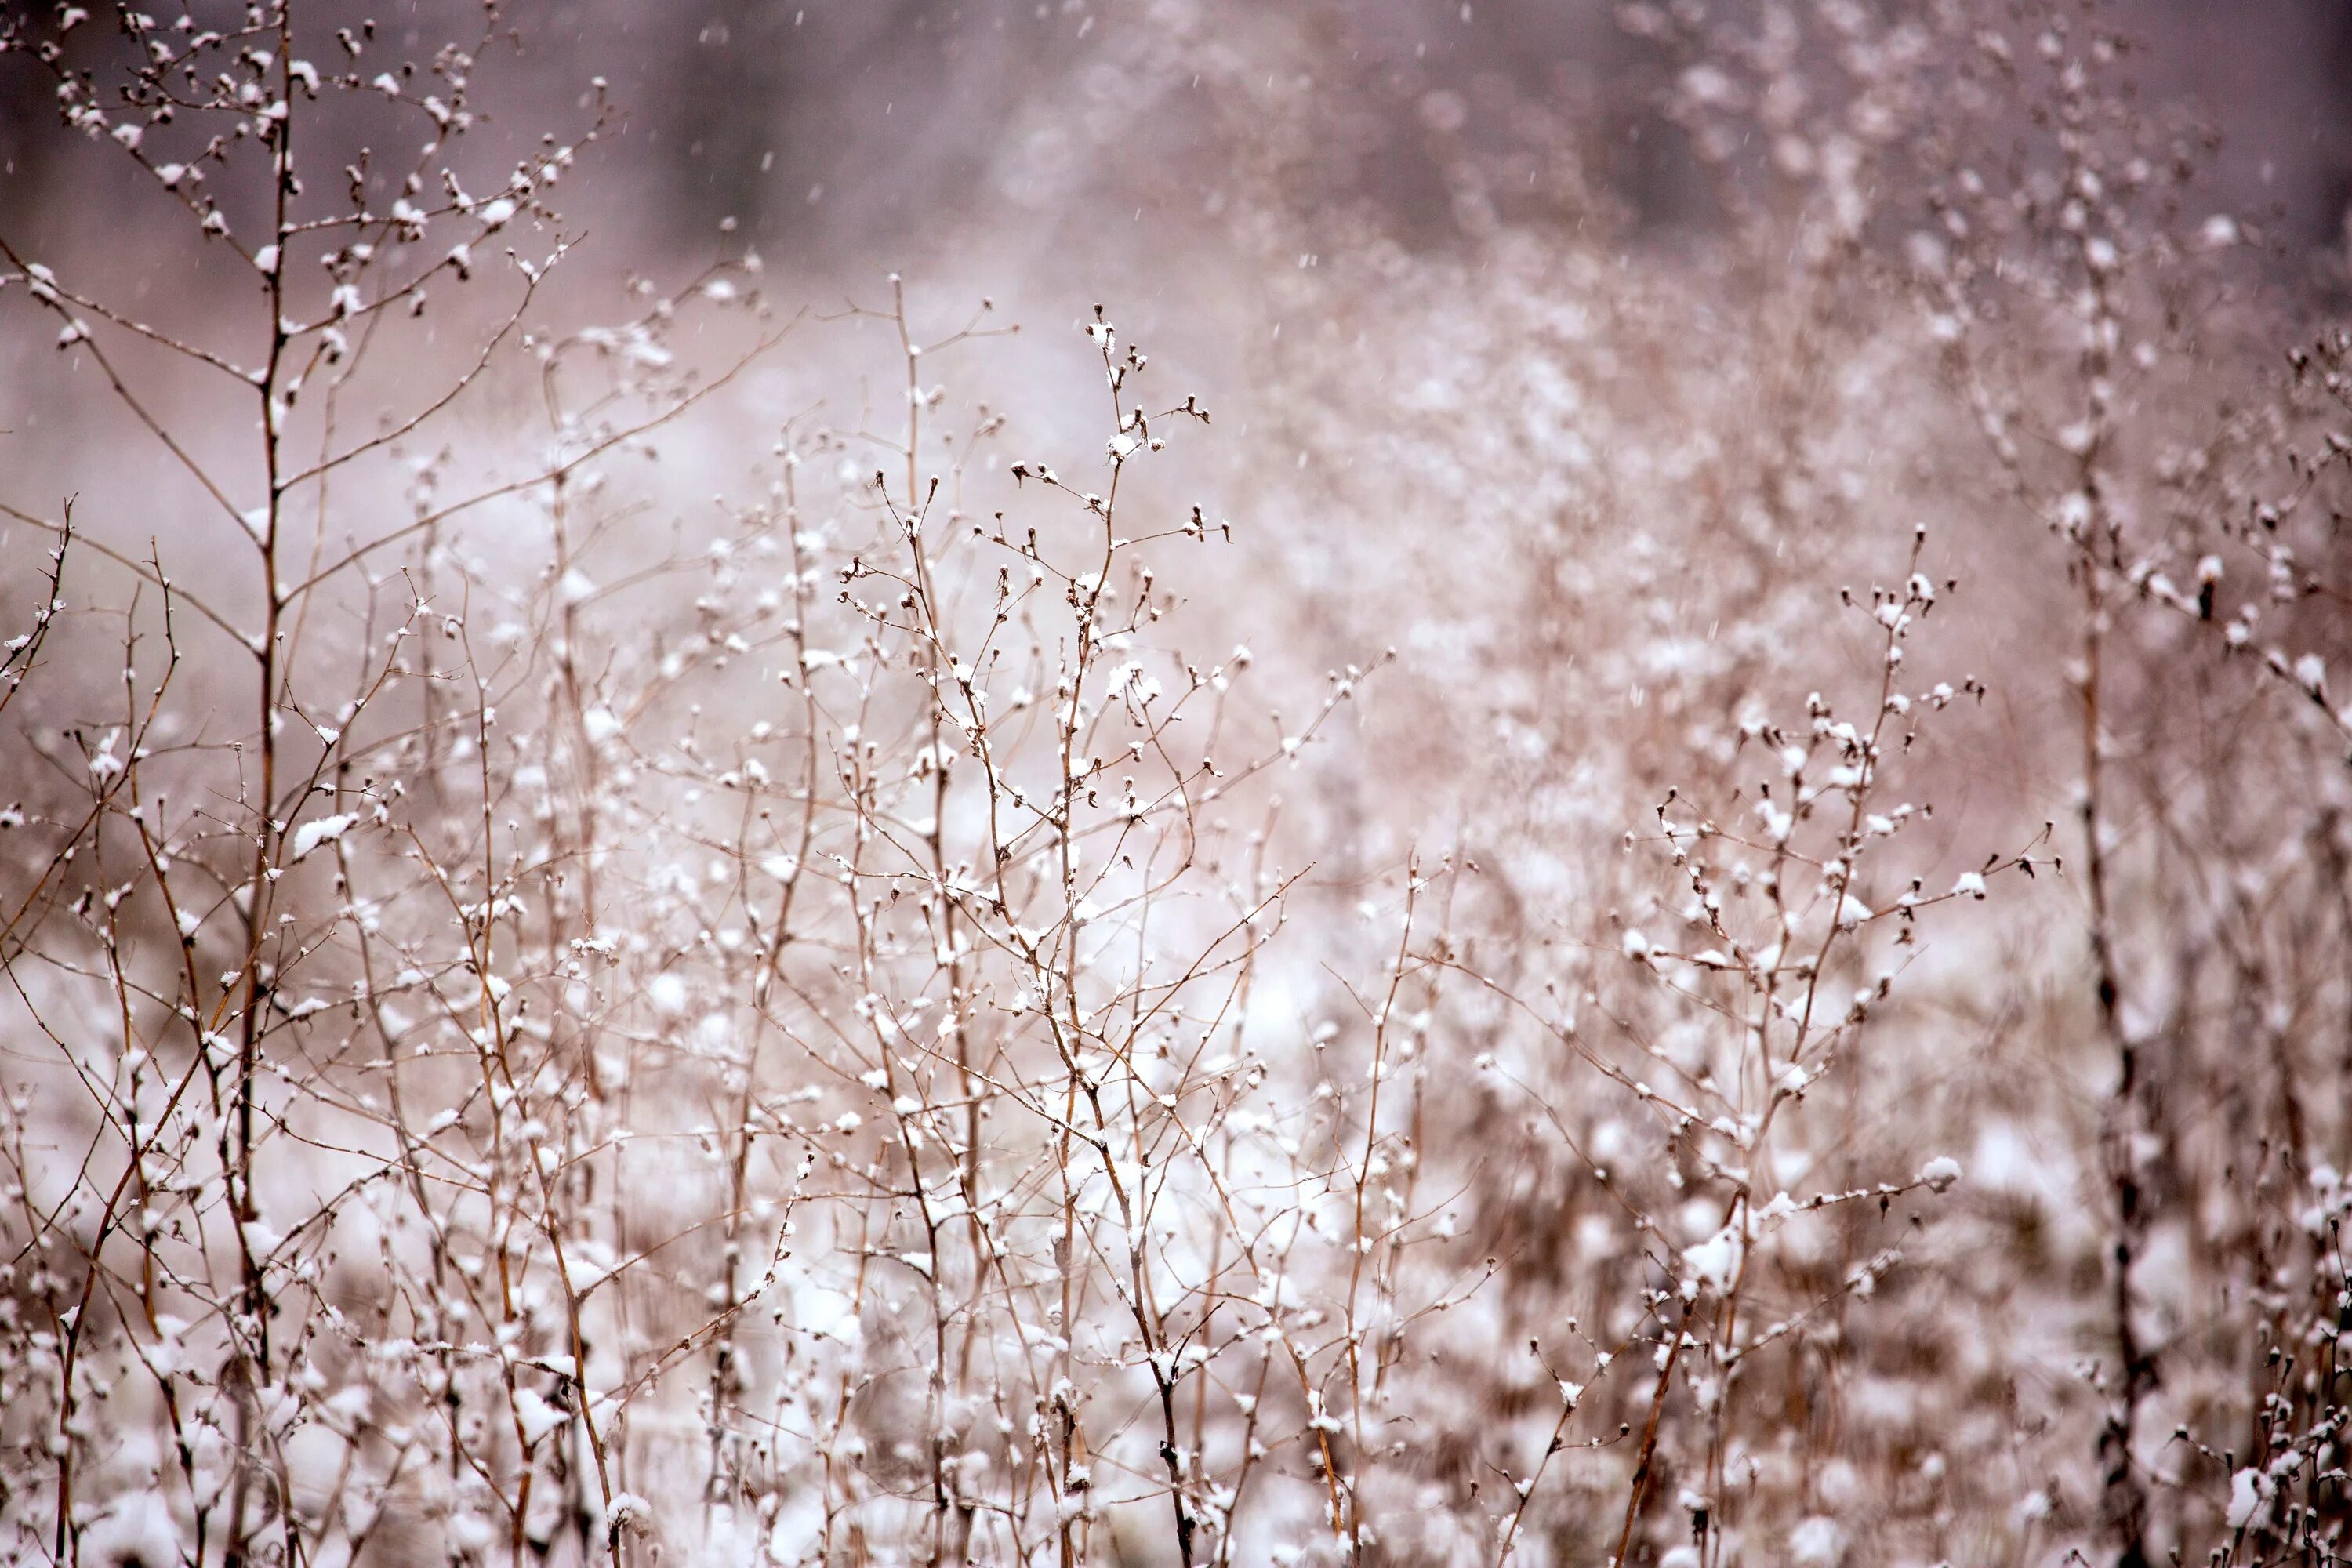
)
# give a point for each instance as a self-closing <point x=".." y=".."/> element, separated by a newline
<point x="2126" y="1493"/>
<point x="1646" y="1454"/>
<point x="2127" y="1496"/>
<point x="134" y="1173"/>
<point x="916" y="511"/>
<point x="266" y="843"/>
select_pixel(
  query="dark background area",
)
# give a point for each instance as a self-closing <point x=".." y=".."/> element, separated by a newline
<point x="852" y="134"/>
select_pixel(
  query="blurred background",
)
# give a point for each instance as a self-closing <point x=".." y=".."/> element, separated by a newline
<point x="1071" y="145"/>
<point x="1334" y="221"/>
<point x="1170" y="153"/>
